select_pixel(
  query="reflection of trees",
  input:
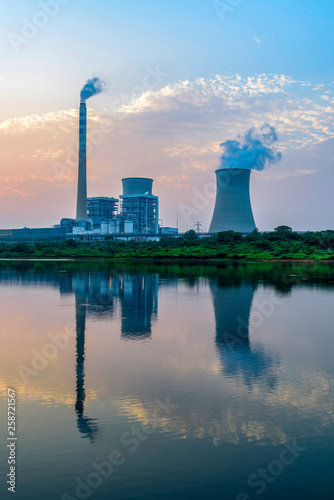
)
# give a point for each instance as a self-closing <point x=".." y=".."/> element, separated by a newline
<point x="282" y="276"/>
<point x="232" y="308"/>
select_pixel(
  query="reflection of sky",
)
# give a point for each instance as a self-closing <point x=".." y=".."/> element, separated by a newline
<point x="254" y="390"/>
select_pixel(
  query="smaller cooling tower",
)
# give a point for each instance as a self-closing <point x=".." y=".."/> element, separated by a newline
<point x="139" y="205"/>
<point x="137" y="186"/>
<point x="233" y="210"/>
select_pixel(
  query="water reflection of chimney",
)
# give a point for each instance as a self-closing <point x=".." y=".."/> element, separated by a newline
<point x="232" y="307"/>
<point x="87" y="426"/>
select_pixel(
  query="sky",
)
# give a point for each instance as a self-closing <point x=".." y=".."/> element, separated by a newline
<point x="181" y="77"/>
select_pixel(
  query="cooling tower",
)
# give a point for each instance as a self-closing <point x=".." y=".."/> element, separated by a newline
<point x="137" y="186"/>
<point x="82" y="174"/>
<point x="233" y="209"/>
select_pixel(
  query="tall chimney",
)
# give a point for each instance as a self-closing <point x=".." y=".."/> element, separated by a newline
<point x="233" y="210"/>
<point x="82" y="170"/>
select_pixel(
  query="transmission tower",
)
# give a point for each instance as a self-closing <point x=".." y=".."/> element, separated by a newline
<point x="198" y="226"/>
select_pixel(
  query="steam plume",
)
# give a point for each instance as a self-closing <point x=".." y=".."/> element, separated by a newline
<point x="255" y="150"/>
<point x="92" y="87"/>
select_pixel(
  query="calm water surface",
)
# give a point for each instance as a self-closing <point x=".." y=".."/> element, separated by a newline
<point x="169" y="381"/>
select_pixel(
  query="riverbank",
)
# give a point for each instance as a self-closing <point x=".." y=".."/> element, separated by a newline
<point x="280" y="245"/>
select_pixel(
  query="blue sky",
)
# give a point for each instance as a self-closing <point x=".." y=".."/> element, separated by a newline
<point x="127" y="43"/>
<point x="188" y="39"/>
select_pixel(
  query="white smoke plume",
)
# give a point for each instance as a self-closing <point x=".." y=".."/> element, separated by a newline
<point x="254" y="151"/>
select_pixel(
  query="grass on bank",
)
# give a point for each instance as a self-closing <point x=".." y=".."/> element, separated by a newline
<point x="282" y="243"/>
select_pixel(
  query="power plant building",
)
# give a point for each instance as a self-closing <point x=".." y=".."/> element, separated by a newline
<point x="101" y="208"/>
<point x="139" y="205"/>
<point x="98" y="217"/>
<point x="139" y="212"/>
<point x="34" y="234"/>
<point x="233" y="210"/>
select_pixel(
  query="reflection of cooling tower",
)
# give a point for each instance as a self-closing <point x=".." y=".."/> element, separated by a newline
<point x="233" y="209"/>
<point x="82" y="174"/>
<point x="232" y="306"/>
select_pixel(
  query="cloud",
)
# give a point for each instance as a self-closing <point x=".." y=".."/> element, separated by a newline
<point x="230" y="90"/>
<point x="237" y="103"/>
<point x="31" y="122"/>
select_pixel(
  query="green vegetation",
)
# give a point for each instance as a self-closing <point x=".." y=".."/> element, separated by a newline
<point x="281" y="244"/>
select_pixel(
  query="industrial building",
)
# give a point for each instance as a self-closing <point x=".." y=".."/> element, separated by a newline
<point x="139" y="211"/>
<point x="101" y="208"/>
<point x="98" y="217"/>
<point x="68" y="223"/>
<point x="34" y="234"/>
<point x="139" y="205"/>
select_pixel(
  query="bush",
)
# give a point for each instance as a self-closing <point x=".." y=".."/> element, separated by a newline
<point x="70" y="244"/>
<point x="23" y="248"/>
<point x="228" y="237"/>
<point x="190" y="235"/>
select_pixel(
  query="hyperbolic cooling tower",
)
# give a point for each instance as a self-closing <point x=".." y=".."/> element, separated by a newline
<point x="233" y="209"/>
<point x="82" y="174"/>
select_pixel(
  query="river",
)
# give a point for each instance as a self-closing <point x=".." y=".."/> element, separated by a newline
<point x="168" y="381"/>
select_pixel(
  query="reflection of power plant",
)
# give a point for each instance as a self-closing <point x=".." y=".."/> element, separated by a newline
<point x="232" y="306"/>
<point x="132" y="297"/>
<point x="139" y="302"/>
<point x="95" y="295"/>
